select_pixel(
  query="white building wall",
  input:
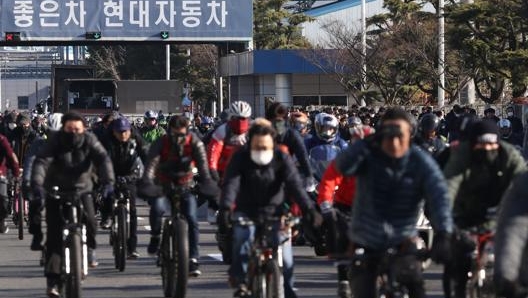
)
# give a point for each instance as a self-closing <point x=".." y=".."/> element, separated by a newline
<point x="316" y="34"/>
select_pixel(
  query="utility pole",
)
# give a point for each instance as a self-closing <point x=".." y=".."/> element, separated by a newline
<point x="363" y="50"/>
<point x="167" y="62"/>
<point x="441" y="54"/>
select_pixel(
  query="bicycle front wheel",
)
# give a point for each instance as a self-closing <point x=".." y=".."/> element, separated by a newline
<point x="174" y="256"/>
<point x="20" y="216"/>
<point x="72" y="264"/>
<point x="273" y="280"/>
<point x="120" y="241"/>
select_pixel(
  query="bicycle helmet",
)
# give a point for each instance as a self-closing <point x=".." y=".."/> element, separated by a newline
<point x="429" y="122"/>
<point x="240" y="109"/>
<point x="354" y="121"/>
<point x="326" y="126"/>
<point x="150" y="114"/>
<point x="55" y="121"/>
<point x="504" y="123"/>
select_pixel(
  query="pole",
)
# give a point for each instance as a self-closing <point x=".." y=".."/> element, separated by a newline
<point x="441" y="54"/>
<point x="167" y="61"/>
<point x="363" y="49"/>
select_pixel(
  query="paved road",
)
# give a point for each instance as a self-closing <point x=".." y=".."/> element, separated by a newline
<point x="21" y="276"/>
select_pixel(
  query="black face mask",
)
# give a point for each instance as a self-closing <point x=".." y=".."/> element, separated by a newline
<point x="280" y="126"/>
<point x="71" y="140"/>
<point x="485" y="156"/>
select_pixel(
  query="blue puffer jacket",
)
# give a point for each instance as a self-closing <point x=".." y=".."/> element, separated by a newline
<point x="390" y="193"/>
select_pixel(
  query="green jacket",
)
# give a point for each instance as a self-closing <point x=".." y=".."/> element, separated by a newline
<point x="152" y="134"/>
<point x="475" y="187"/>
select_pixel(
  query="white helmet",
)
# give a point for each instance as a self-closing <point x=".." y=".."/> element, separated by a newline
<point x="55" y="121"/>
<point x="240" y="109"/>
<point x="326" y="126"/>
<point x="504" y="123"/>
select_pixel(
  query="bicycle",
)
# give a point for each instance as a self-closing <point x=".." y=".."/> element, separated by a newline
<point x="480" y="274"/>
<point x="120" y="229"/>
<point x="264" y="273"/>
<point x="391" y="276"/>
<point x="18" y="207"/>
<point x="174" y="249"/>
<point x="75" y="250"/>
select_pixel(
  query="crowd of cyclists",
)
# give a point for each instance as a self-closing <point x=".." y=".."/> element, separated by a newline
<point x="358" y="177"/>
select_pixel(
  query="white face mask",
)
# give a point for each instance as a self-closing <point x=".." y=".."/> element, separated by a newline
<point x="510" y="114"/>
<point x="12" y="126"/>
<point x="261" y="157"/>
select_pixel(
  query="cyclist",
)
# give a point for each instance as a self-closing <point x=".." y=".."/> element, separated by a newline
<point x="173" y="155"/>
<point x="478" y="173"/>
<point x="335" y="196"/>
<point x="511" y="242"/>
<point x="67" y="160"/>
<point x="385" y="211"/>
<point x="326" y="128"/>
<point x="516" y="122"/>
<point x="150" y="130"/>
<point x="255" y="180"/>
<point x="23" y="136"/>
<point x="8" y="161"/>
<point x="300" y="122"/>
<point x="427" y="138"/>
<point x="228" y="138"/>
<point x="507" y="134"/>
<point x="35" y="220"/>
<point x="127" y="154"/>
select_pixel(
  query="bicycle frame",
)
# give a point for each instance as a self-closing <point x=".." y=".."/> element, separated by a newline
<point x="71" y="212"/>
<point x="123" y="198"/>
<point x="483" y="257"/>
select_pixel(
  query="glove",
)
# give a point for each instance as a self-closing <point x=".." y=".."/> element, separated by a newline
<point x="147" y="190"/>
<point x="224" y="221"/>
<point x="310" y="185"/>
<point x="108" y="191"/>
<point x="208" y="188"/>
<point x="313" y="218"/>
<point x="441" y="249"/>
<point x="214" y="175"/>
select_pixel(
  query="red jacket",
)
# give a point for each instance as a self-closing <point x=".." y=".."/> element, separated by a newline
<point x="222" y="146"/>
<point x="8" y="159"/>
<point x="327" y="187"/>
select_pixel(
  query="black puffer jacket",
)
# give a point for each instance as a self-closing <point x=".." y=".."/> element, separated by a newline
<point x="71" y="168"/>
<point x="126" y="156"/>
<point x="511" y="238"/>
<point x="251" y="187"/>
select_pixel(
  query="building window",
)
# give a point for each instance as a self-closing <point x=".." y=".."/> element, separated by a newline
<point x="23" y="102"/>
<point x="306" y="100"/>
<point x="337" y="100"/>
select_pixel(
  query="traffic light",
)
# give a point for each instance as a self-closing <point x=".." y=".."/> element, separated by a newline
<point x="164" y="34"/>
<point x="12" y="36"/>
<point x="93" y="35"/>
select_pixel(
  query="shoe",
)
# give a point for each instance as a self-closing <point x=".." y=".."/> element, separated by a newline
<point x="106" y="224"/>
<point x="153" y="246"/>
<point x="53" y="292"/>
<point x="133" y="255"/>
<point x="242" y="291"/>
<point x="53" y="288"/>
<point x="3" y="227"/>
<point x="343" y="289"/>
<point x="194" y="268"/>
<point x="92" y="258"/>
<point x="36" y="243"/>
<point x="211" y="216"/>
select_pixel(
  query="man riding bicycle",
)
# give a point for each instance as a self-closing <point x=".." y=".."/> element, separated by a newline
<point x="126" y="152"/>
<point x="256" y="179"/>
<point x="478" y="172"/>
<point x="67" y="160"/>
<point x="170" y="161"/>
<point x="393" y="178"/>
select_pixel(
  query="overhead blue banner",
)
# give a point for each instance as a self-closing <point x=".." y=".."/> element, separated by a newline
<point x="128" y="20"/>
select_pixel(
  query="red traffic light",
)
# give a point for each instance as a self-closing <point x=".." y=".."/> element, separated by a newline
<point x="12" y="36"/>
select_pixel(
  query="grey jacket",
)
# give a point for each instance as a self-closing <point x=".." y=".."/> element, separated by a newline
<point x="390" y="194"/>
<point x="511" y="238"/>
<point x="71" y="169"/>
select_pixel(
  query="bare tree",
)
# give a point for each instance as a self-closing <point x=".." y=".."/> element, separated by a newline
<point x="108" y="60"/>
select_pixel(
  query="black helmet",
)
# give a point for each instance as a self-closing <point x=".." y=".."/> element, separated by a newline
<point x="429" y="122"/>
